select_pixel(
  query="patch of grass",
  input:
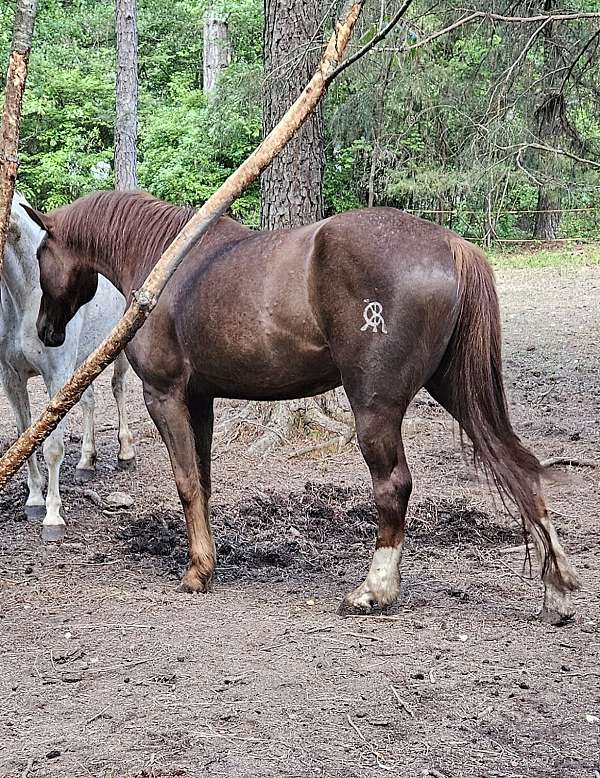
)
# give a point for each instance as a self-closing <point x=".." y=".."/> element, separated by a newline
<point x="548" y="255"/>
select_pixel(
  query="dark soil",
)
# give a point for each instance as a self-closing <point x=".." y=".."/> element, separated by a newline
<point x="106" y="671"/>
<point x="308" y="531"/>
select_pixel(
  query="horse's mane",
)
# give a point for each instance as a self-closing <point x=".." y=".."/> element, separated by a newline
<point x="115" y="225"/>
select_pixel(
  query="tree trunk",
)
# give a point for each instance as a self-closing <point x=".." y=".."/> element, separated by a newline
<point x="292" y="192"/>
<point x="216" y="55"/>
<point x="548" y="117"/>
<point x="547" y="219"/>
<point x="11" y="118"/>
<point x="126" y="95"/>
<point x="292" y="187"/>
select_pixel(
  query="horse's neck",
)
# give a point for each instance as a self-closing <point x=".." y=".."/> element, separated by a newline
<point x="128" y="272"/>
<point x="20" y="274"/>
<point x="116" y="269"/>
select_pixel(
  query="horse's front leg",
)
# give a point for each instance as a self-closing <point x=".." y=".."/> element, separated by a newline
<point x="53" y="526"/>
<point x="126" y="457"/>
<point x="15" y="387"/>
<point x="171" y="415"/>
<point x="86" y="467"/>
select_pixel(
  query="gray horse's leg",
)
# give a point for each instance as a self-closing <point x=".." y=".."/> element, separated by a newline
<point x="126" y="457"/>
<point x="15" y="387"/>
<point x="53" y="526"/>
<point x="86" y="467"/>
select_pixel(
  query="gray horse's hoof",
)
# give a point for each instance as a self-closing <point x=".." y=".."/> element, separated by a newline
<point x="556" y="618"/>
<point x="127" y="464"/>
<point x="83" y="476"/>
<point x="53" y="533"/>
<point x="35" y="511"/>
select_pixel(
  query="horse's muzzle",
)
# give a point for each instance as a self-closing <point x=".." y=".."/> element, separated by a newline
<point x="48" y="333"/>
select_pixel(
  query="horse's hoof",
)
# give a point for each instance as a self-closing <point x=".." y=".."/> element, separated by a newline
<point x="127" y="464"/>
<point x="84" y="475"/>
<point x="556" y="618"/>
<point x="35" y="511"/>
<point x="347" y="608"/>
<point x="192" y="583"/>
<point x="185" y="588"/>
<point x="53" y="533"/>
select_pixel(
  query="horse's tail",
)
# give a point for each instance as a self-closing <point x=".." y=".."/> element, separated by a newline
<point x="468" y="383"/>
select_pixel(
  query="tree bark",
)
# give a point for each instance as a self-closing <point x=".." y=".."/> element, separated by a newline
<point x="216" y="54"/>
<point x="126" y="95"/>
<point x="292" y="187"/>
<point x="549" y="130"/>
<point x="146" y="298"/>
<point x="16" y="77"/>
<point x="547" y="219"/>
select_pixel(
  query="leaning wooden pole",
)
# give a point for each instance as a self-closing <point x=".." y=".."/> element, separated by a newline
<point x="145" y="299"/>
<point x="11" y="117"/>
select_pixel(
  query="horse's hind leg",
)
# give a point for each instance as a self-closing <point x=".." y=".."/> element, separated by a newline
<point x="86" y="467"/>
<point x="126" y="456"/>
<point x="16" y="391"/>
<point x="557" y="608"/>
<point x="379" y="436"/>
<point x="558" y="581"/>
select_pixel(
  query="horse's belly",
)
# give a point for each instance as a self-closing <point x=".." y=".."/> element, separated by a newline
<point x="273" y="369"/>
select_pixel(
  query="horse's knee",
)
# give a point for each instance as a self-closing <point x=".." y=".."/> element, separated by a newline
<point x="54" y="449"/>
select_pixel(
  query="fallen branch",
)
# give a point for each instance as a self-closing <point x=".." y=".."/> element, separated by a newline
<point x="11" y="117"/>
<point x="401" y="703"/>
<point x="340" y="441"/>
<point x="570" y="461"/>
<point x="380" y="759"/>
<point x="145" y="299"/>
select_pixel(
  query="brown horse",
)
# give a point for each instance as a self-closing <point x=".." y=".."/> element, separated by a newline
<point x="376" y="300"/>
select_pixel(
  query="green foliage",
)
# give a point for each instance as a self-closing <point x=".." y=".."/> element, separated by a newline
<point x="433" y="129"/>
<point x="568" y="256"/>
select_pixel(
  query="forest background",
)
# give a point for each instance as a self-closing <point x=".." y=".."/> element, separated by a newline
<point x="478" y="128"/>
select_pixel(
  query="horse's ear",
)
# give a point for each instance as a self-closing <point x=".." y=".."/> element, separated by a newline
<point x="37" y="216"/>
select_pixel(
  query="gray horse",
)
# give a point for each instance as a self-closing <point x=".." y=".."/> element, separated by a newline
<point x="23" y="355"/>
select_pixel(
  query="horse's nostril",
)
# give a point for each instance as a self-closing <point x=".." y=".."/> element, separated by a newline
<point x="54" y="338"/>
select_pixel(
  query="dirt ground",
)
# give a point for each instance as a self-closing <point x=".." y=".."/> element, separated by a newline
<point x="105" y="670"/>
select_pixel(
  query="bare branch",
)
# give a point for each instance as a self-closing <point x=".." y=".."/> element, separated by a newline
<point x="521" y="147"/>
<point x="582" y="51"/>
<point x="503" y="85"/>
<point x="16" y="77"/>
<point x="374" y="41"/>
<point x="493" y="17"/>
